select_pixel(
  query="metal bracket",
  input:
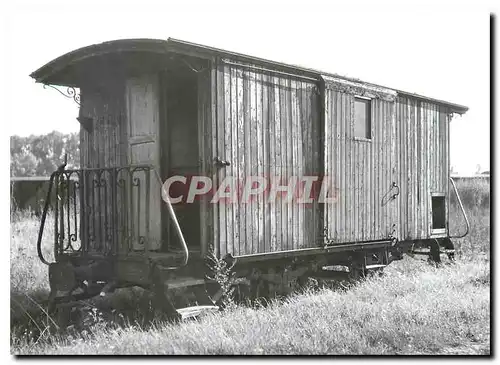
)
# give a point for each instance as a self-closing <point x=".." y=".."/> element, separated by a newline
<point x="386" y="198"/>
<point x="394" y="185"/>
<point x="69" y="93"/>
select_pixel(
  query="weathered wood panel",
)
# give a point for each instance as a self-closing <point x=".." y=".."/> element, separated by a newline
<point x="143" y="120"/>
<point x="103" y="144"/>
<point x="424" y="161"/>
<point x="266" y="125"/>
<point x="362" y="170"/>
<point x="205" y="131"/>
<point x="409" y="147"/>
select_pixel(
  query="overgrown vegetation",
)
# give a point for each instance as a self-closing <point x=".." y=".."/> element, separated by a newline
<point x="223" y="275"/>
<point x="415" y="308"/>
<point x="474" y="193"/>
<point x="475" y="196"/>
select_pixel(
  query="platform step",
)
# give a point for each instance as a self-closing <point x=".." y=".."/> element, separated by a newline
<point x="183" y="282"/>
<point x="426" y="251"/>
<point x="195" y="311"/>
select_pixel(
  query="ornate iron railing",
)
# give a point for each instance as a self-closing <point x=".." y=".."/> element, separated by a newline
<point x="107" y="210"/>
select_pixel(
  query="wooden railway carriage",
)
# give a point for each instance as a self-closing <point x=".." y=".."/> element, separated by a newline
<point x="152" y="109"/>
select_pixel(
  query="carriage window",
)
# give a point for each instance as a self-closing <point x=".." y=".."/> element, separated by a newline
<point x="438" y="212"/>
<point x="362" y="118"/>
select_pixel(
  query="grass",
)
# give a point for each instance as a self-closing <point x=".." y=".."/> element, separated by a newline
<point x="27" y="273"/>
<point x="475" y="193"/>
<point x="475" y="197"/>
<point x="414" y="308"/>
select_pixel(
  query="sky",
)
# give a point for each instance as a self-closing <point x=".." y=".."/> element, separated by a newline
<point x="440" y="52"/>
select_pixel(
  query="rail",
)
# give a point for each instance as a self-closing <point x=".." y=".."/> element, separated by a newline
<point x="174" y="219"/>
<point x="107" y="212"/>
<point x="46" y="209"/>
<point x="462" y="209"/>
<point x="42" y="223"/>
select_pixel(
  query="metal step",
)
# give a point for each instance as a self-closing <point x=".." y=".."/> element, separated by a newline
<point x="183" y="282"/>
<point x="195" y="297"/>
<point x="201" y="303"/>
<point x="195" y="311"/>
<point x="426" y="251"/>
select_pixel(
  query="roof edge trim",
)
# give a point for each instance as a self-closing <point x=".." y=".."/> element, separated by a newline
<point x="50" y="69"/>
<point x="121" y="45"/>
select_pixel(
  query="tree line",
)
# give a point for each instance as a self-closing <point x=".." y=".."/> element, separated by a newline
<point x="40" y="155"/>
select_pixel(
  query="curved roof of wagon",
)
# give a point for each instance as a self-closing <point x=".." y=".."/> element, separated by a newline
<point x="49" y="73"/>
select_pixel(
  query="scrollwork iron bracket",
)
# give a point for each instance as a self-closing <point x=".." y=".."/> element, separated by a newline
<point x="70" y="92"/>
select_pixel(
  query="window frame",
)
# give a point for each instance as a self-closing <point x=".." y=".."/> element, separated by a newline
<point x="438" y="232"/>
<point x="369" y="114"/>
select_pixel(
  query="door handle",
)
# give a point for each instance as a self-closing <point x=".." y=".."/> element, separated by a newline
<point x="221" y="163"/>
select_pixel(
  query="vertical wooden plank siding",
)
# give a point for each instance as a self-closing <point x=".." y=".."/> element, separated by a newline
<point x="219" y="145"/>
<point x="424" y="161"/>
<point x="361" y="170"/>
<point x="107" y="110"/>
<point x="143" y="120"/>
<point x="212" y="141"/>
<point x="266" y="125"/>
<point x="205" y="130"/>
<point x="409" y="146"/>
<point x="103" y="145"/>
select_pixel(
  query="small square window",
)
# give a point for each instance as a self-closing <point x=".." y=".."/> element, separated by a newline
<point x="362" y="118"/>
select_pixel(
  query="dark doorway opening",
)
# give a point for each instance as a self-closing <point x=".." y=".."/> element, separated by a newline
<point x="438" y="212"/>
<point x="179" y="145"/>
